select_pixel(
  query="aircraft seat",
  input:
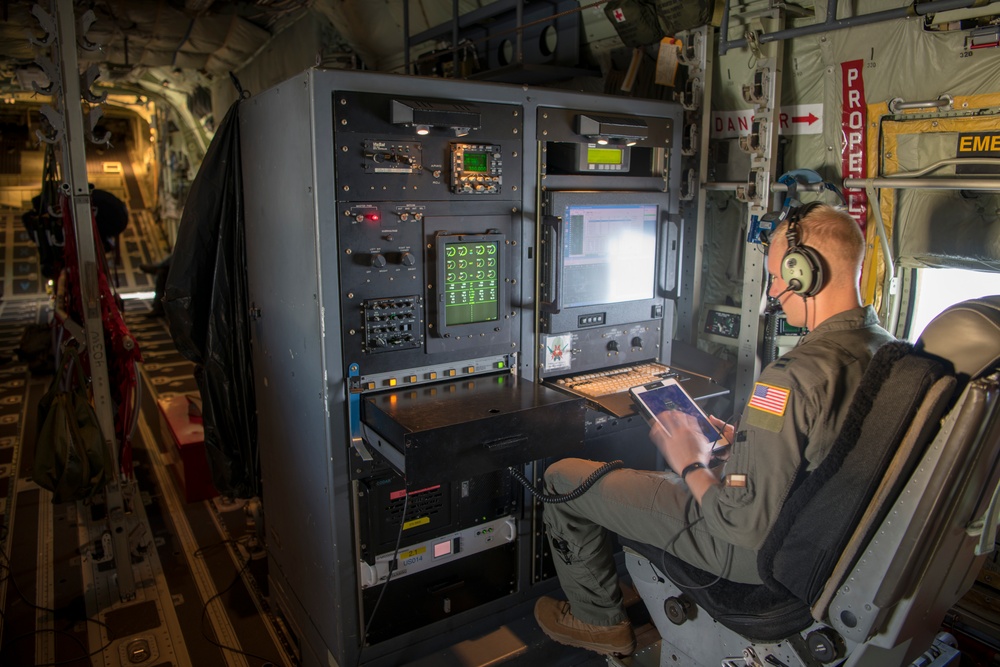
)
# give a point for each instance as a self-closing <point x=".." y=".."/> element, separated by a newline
<point x="874" y="546"/>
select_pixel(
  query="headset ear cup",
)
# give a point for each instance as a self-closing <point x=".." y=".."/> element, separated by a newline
<point x="802" y="264"/>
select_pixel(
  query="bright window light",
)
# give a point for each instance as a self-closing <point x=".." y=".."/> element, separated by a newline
<point x="939" y="288"/>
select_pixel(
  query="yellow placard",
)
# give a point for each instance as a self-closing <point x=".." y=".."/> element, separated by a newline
<point x="416" y="522"/>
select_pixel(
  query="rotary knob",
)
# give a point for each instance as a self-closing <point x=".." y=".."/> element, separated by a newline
<point x="378" y="260"/>
<point x="636" y="342"/>
<point x="612" y="346"/>
<point x="407" y="259"/>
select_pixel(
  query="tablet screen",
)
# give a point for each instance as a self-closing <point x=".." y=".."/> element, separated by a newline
<point x="668" y="395"/>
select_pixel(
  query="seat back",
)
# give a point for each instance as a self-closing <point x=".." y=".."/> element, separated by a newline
<point x="818" y="519"/>
<point x="966" y="337"/>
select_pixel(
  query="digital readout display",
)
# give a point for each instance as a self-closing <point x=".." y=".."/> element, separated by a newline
<point x="471" y="282"/>
<point x="604" y="155"/>
<point x="723" y="324"/>
<point x="474" y="162"/>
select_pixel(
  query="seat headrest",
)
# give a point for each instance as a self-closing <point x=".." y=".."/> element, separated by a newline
<point x="966" y="335"/>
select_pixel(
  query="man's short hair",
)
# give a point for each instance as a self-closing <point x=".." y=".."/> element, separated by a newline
<point x="832" y="233"/>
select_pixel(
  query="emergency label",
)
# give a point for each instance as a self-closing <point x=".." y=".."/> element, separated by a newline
<point x="978" y="144"/>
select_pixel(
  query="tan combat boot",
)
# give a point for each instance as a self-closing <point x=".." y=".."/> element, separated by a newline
<point x="556" y="621"/>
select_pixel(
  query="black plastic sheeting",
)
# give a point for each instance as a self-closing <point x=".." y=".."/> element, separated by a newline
<point x="205" y="303"/>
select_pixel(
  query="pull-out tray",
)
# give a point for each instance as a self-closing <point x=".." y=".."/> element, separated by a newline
<point x="463" y="428"/>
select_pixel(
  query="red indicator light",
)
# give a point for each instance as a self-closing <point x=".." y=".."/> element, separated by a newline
<point x="374" y="217"/>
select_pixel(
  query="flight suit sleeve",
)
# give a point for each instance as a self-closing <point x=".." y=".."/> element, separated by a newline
<point x="763" y="462"/>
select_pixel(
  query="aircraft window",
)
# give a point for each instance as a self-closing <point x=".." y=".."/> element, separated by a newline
<point x="939" y="288"/>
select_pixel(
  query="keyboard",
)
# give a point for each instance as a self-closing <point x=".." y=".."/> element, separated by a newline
<point x="615" y="381"/>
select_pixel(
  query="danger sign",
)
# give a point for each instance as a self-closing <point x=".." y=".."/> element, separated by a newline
<point x="795" y="119"/>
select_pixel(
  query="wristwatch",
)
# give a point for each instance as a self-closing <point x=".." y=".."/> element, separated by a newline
<point x="697" y="465"/>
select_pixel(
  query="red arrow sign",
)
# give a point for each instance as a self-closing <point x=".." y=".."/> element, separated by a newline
<point x="809" y="120"/>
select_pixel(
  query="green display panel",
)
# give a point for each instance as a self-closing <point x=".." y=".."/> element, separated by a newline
<point x="604" y="155"/>
<point x="471" y="282"/>
<point x="475" y="162"/>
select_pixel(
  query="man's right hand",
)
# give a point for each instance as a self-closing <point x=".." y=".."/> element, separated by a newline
<point x="682" y="443"/>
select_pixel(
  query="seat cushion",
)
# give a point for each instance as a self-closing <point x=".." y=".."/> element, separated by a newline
<point x="755" y="612"/>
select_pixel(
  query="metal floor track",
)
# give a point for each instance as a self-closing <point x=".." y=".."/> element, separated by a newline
<point x="200" y="574"/>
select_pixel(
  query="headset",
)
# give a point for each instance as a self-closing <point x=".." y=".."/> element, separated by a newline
<point x="801" y="265"/>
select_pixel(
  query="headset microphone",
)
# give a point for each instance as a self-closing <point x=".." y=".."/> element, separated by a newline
<point x="793" y="286"/>
<point x="774" y="304"/>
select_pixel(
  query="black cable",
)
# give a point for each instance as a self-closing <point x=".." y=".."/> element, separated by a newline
<point x="392" y="568"/>
<point x="10" y="576"/>
<point x="204" y="609"/>
<point x="575" y="493"/>
<point x="663" y="557"/>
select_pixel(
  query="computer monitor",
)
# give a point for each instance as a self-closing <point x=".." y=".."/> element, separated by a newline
<point x="609" y="258"/>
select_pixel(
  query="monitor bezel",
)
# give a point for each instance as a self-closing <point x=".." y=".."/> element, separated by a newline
<point x="558" y="317"/>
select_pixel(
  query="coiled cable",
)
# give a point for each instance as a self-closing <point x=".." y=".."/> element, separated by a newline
<point x="575" y="493"/>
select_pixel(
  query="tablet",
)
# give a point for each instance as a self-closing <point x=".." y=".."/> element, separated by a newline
<point x="663" y="395"/>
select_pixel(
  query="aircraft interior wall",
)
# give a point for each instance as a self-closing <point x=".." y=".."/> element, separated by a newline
<point x="902" y="59"/>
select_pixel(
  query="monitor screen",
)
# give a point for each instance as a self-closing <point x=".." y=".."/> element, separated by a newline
<point x="471" y="282"/>
<point x="604" y="155"/>
<point x="474" y="162"/>
<point x="609" y="253"/>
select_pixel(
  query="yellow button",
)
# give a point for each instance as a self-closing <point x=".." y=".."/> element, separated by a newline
<point x="391" y="382"/>
<point x="470" y="369"/>
<point x="432" y="376"/>
<point x="410" y="378"/>
<point x="450" y="372"/>
<point x="369" y="385"/>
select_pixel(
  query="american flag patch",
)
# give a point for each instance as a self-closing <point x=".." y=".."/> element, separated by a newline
<point x="769" y="398"/>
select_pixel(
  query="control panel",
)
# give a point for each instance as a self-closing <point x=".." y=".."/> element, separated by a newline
<point x="399" y="150"/>
<point x="442" y="549"/>
<point x="476" y="169"/>
<point x="393" y="324"/>
<point x="392" y="157"/>
<point x="427" y="251"/>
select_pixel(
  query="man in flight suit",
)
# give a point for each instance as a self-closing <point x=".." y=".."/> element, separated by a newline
<point x="716" y="520"/>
